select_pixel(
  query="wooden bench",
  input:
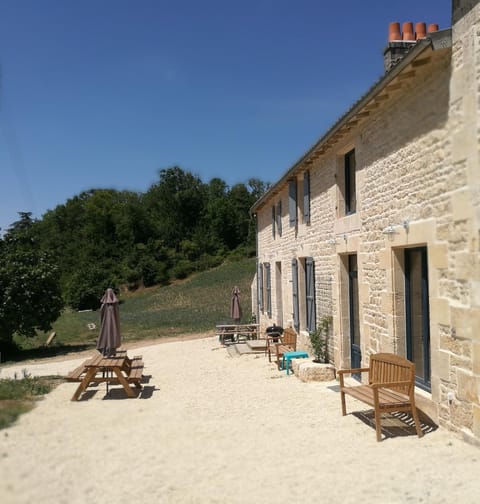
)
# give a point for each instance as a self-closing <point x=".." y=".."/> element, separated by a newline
<point x="280" y="345"/>
<point x="79" y="372"/>
<point x="391" y="387"/>
<point x="135" y="371"/>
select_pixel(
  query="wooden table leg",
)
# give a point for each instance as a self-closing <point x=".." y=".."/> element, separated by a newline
<point x="124" y="382"/>
<point x="91" y="372"/>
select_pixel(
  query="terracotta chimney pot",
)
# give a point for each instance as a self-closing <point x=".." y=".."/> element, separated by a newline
<point x="420" y="30"/>
<point x="394" y="32"/>
<point x="432" y="28"/>
<point x="407" y="29"/>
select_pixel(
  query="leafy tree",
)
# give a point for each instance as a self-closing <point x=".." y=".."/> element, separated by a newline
<point x="175" y="204"/>
<point x="107" y="238"/>
<point x="30" y="297"/>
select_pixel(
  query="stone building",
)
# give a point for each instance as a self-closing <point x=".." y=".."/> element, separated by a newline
<point x="377" y="227"/>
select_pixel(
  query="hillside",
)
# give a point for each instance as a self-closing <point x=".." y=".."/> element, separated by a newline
<point x="193" y="305"/>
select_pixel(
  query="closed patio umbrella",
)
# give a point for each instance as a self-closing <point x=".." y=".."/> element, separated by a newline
<point x="109" y="339"/>
<point x="235" y="307"/>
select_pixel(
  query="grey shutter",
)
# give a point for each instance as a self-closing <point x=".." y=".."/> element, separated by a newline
<point x="260" y="287"/>
<point x="273" y="221"/>
<point x="292" y="202"/>
<point x="310" y="293"/>
<point x="296" y="320"/>
<point x="268" y="282"/>
<point x="306" y="197"/>
<point x="279" y="218"/>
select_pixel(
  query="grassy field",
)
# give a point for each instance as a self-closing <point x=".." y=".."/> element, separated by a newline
<point x="193" y="305"/>
<point x="19" y="396"/>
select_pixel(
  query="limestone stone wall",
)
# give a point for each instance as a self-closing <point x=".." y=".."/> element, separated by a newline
<point x="459" y="296"/>
<point x="417" y="153"/>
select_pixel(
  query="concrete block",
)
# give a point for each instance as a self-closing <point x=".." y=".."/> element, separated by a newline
<point x="308" y="370"/>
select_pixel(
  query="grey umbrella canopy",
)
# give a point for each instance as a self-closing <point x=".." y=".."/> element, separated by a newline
<point x="109" y="339"/>
<point x="235" y="307"/>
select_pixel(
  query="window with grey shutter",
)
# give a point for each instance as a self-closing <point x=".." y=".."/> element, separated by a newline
<point x="306" y="197"/>
<point x="260" y="287"/>
<point x="279" y="218"/>
<point x="292" y="202"/>
<point x="310" y="294"/>
<point x="268" y="289"/>
<point x="273" y="221"/>
<point x="296" y="319"/>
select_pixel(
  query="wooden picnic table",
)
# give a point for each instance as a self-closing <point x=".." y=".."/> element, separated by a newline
<point x="236" y="331"/>
<point x="110" y="369"/>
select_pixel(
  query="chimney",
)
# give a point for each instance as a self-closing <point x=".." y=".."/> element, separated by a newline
<point x="400" y="42"/>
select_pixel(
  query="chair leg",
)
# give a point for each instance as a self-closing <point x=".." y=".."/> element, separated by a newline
<point x="344" y="406"/>
<point x="417" y="421"/>
<point x="378" y="424"/>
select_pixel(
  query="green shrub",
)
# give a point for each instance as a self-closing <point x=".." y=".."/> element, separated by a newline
<point x="319" y="339"/>
<point x="182" y="269"/>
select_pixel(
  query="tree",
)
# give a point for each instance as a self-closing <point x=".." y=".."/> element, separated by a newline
<point x="30" y="298"/>
<point x="175" y="204"/>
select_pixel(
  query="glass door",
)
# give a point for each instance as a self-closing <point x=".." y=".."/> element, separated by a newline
<point x="354" y="322"/>
<point x="417" y="314"/>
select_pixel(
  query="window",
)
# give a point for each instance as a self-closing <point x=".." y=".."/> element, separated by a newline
<point x="273" y="221"/>
<point x="306" y="197"/>
<point x="296" y="318"/>
<point x="260" y="287"/>
<point x="310" y="294"/>
<point x="279" y="218"/>
<point x="268" y="292"/>
<point x="353" y="309"/>
<point x="350" y="187"/>
<point x="417" y="317"/>
<point x="292" y="202"/>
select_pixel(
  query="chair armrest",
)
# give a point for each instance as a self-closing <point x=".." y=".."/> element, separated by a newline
<point x="342" y="372"/>
<point x="351" y="371"/>
<point x="391" y="384"/>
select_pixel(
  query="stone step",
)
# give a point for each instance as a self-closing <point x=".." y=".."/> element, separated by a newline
<point x="257" y="345"/>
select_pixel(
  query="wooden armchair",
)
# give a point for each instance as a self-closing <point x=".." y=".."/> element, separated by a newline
<point x="287" y="343"/>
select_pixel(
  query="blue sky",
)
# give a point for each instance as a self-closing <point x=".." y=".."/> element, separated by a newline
<point x="104" y="93"/>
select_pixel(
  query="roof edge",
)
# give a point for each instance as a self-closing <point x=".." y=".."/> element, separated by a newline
<point x="436" y="40"/>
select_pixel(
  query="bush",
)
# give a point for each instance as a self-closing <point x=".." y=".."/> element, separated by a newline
<point x="319" y="340"/>
<point x="182" y="269"/>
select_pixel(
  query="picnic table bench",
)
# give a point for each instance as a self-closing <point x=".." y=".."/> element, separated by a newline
<point x="391" y="387"/>
<point x="236" y="332"/>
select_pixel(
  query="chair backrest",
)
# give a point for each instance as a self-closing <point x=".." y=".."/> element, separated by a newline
<point x="289" y="338"/>
<point x="386" y="368"/>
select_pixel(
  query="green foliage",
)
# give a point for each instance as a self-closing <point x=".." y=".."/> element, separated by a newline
<point x="17" y="396"/>
<point x="319" y="339"/>
<point x="25" y="388"/>
<point x="30" y="297"/>
<point x="193" y="305"/>
<point x="183" y="268"/>
<point x="11" y="410"/>
<point x="104" y="237"/>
